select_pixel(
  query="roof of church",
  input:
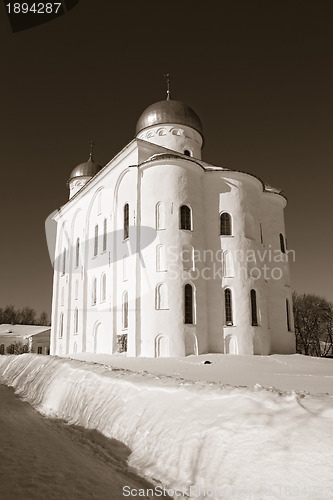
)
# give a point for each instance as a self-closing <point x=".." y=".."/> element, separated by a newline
<point x="86" y="169"/>
<point x="169" y="111"/>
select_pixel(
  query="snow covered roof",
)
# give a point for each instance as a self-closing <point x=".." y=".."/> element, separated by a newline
<point x="22" y="331"/>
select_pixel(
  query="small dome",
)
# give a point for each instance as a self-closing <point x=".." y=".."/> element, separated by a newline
<point x="86" y="169"/>
<point x="169" y="111"/>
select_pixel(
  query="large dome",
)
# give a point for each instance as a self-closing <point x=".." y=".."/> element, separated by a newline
<point x="168" y="111"/>
<point x="86" y="169"/>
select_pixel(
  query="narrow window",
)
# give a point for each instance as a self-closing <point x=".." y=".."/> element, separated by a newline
<point x="39" y="350"/>
<point x="254" y="314"/>
<point x="225" y="224"/>
<point x="103" y="288"/>
<point x="94" y="292"/>
<point x="161" y="296"/>
<point x="2" y="349"/>
<point x="160" y="216"/>
<point x="96" y="241"/>
<point x="105" y="227"/>
<point x="228" y="268"/>
<point x="188" y="301"/>
<point x="64" y="262"/>
<point x="61" y="325"/>
<point x="77" y="253"/>
<point x="187" y="257"/>
<point x="126" y="221"/>
<point x="76" y="320"/>
<point x="282" y="245"/>
<point x="125" y="310"/>
<point x="261" y="235"/>
<point x="228" y="306"/>
<point x="288" y="315"/>
<point x="160" y="258"/>
<point x="99" y="203"/>
<point x="75" y="348"/>
<point x="62" y="302"/>
<point x="76" y="289"/>
<point x="185" y="218"/>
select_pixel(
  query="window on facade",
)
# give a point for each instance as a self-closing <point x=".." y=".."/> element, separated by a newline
<point x="187" y="152"/>
<point x="39" y="350"/>
<point x="185" y="218"/>
<point x="161" y="296"/>
<point x="225" y="224"/>
<point x="126" y="221"/>
<point x="125" y="310"/>
<point x="187" y="258"/>
<point x="160" y="258"/>
<point x="76" y="320"/>
<point x="76" y="289"/>
<point x="228" y="267"/>
<point x="96" y="241"/>
<point x="105" y="227"/>
<point x="254" y="313"/>
<point x="94" y="292"/>
<point x="282" y="245"/>
<point x="160" y="216"/>
<point x="64" y="262"/>
<point x="125" y="268"/>
<point x="188" y="302"/>
<point x="228" y="306"/>
<point x="2" y="349"/>
<point x="261" y="235"/>
<point x="103" y="288"/>
<point x="61" y="325"/>
<point x="288" y="315"/>
<point x="77" y="252"/>
<point x="62" y="299"/>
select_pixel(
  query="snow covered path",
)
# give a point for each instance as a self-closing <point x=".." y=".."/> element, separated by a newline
<point x="231" y="442"/>
<point x="44" y="459"/>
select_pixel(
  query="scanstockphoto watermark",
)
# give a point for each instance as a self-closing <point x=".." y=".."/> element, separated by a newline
<point x="265" y="263"/>
<point x="242" y="492"/>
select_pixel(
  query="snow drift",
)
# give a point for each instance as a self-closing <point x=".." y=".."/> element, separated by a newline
<point x="231" y="442"/>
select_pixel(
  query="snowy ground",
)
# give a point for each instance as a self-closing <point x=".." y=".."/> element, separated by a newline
<point x="189" y="431"/>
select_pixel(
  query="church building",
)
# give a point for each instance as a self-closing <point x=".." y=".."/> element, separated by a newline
<point x="159" y="253"/>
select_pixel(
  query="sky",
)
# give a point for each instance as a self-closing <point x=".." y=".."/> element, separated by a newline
<point x="258" y="73"/>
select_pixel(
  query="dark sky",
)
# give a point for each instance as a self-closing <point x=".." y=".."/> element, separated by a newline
<point x="258" y="73"/>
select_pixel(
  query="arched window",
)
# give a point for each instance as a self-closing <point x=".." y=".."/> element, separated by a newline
<point x="94" y="292"/>
<point x="160" y="216"/>
<point x="77" y="253"/>
<point x="161" y="296"/>
<point x="228" y="306"/>
<point x="105" y="227"/>
<point x="125" y="268"/>
<point x="187" y="258"/>
<point x="96" y="241"/>
<point x="254" y="313"/>
<point x="61" y="325"/>
<point x="228" y="265"/>
<point x="188" y="303"/>
<point x="185" y="218"/>
<point x="288" y="315"/>
<point x="64" y="262"/>
<point x="99" y="204"/>
<point x="103" y="288"/>
<point x="225" y="224"/>
<point x="160" y="258"/>
<point x="126" y="221"/>
<point x="76" y="320"/>
<point x="282" y="245"/>
<point x="187" y="152"/>
<point x="125" y="310"/>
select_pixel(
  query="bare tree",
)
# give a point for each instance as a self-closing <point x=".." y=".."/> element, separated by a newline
<point x="313" y="324"/>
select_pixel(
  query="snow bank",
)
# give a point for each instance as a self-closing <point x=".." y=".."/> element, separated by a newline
<point x="231" y="442"/>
